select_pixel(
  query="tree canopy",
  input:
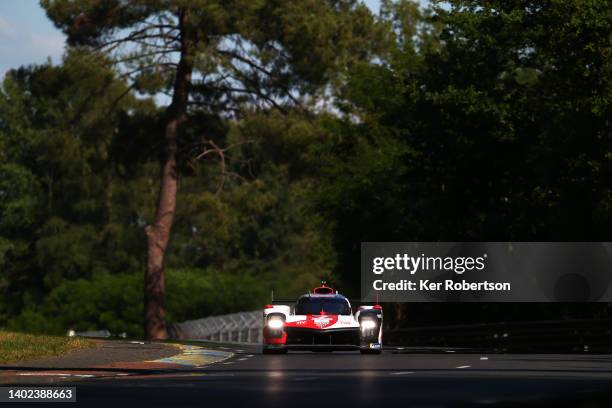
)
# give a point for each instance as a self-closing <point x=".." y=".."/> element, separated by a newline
<point x="491" y="124"/>
<point x="290" y="132"/>
<point x="218" y="58"/>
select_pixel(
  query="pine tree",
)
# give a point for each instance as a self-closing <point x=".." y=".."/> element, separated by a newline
<point x="219" y="57"/>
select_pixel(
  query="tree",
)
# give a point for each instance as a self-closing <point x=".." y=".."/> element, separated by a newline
<point x="494" y="127"/>
<point x="220" y="57"/>
<point x="58" y="192"/>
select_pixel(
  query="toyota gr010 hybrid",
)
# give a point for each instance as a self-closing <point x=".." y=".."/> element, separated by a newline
<point x="322" y="321"/>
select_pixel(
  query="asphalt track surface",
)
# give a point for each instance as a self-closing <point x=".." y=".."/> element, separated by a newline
<point x="413" y="378"/>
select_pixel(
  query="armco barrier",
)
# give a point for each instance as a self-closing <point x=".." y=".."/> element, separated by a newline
<point x="549" y="336"/>
<point x="584" y="335"/>
<point x="243" y="327"/>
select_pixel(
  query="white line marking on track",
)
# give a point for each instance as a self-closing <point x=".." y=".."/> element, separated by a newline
<point x="249" y="355"/>
<point x="241" y="359"/>
<point x="484" y="358"/>
<point x="403" y="372"/>
<point x="229" y="362"/>
<point x="466" y="366"/>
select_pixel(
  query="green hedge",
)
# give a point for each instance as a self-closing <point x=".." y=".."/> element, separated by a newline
<point x="115" y="302"/>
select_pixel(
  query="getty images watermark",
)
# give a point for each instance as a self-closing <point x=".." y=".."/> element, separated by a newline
<point x="412" y="264"/>
<point x="486" y="271"/>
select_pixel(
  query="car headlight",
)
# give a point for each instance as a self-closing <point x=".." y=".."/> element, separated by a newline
<point x="368" y="324"/>
<point x="276" y="323"/>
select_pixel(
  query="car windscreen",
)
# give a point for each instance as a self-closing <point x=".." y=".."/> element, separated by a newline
<point x="308" y="305"/>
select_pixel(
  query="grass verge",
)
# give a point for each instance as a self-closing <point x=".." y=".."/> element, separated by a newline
<point x="16" y="347"/>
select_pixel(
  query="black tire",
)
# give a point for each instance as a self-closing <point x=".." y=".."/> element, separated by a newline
<point x="370" y="351"/>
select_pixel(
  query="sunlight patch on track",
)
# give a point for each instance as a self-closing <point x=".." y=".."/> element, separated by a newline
<point x="44" y="374"/>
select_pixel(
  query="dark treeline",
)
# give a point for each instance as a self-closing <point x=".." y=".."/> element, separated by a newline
<point x="469" y="121"/>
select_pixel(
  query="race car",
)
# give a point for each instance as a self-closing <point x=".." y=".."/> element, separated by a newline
<point x="322" y="320"/>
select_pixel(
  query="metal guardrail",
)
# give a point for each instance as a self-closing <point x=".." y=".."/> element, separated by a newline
<point x="578" y="335"/>
<point x="102" y="334"/>
<point x="243" y="327"/>
<point x="594" y="335"/>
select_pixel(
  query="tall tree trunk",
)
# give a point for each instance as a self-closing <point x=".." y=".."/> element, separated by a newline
<point x="158" y="233"/>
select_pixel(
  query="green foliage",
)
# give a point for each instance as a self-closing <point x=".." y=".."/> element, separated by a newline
<point x="104" y="301"/>
<point x="245" y="52"/>
<point x="225" y="59"/>
<point x="19" y="196"/>
<point x="115" y="302"/>
<point x="56" y="128"/>
<point x="260" y="220"/>
<point x="195" y="293"/>
<point x="499" y="132"/>
<point x="469" y="121"/>
<point x="71" y="236"/>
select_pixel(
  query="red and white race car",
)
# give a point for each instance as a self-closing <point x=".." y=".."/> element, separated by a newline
<point x="322" y="321"/>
